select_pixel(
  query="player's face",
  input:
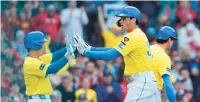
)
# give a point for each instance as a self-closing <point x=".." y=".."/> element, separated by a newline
<point x="127" y="23"/>
<point x="15" y="88"/>
<point x="85" y="83"/>
<point x="124" y="22"/>
<point x="72" y="4"/>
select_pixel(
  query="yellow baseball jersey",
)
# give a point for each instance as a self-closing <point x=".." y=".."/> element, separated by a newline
<point x="110" y="39"/>
<point x="160" y="64"/>
<point x="136" y="51"/>
<point x="36" y="80"/>
<point x="90" y="94"/>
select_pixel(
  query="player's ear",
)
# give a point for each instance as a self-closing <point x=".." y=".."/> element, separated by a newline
<point x="133" y="20"/>
<point x="169" y="41"/>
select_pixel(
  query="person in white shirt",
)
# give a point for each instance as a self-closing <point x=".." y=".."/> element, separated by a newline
<point x="73" y="19"/>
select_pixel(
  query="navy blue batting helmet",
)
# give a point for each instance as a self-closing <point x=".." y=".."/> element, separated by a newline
<point x="166" y="32"/>
<point x="129" y="11"/>
<point x="34" y="40"/>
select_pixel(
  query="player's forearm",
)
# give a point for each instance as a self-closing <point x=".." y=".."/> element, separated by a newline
<point x="169" y="88"/>
<point x="57" y="65"/>
<point x="99" y="49"/>
<point x="58" y="54"/>
<point x="101" y="19"/>
<point x="103" y="55"/>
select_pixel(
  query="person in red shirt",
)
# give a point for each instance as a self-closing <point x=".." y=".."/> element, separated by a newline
<point x="184" y="13"/>
<point x="48" y="21"/>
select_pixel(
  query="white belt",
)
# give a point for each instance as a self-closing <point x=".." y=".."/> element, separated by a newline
<point x="141" y="74"/>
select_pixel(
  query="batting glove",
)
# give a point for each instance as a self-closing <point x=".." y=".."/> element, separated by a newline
<point x="80" y="44"/>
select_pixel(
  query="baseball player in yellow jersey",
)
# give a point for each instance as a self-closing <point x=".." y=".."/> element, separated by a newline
<point x="161" y="61"/>
<point x="38" y="65"/>
<point x="135" y="49"/>
<point x="111" y="37"/>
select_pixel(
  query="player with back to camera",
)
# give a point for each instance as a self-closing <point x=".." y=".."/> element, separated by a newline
<point x="161" y="63"/>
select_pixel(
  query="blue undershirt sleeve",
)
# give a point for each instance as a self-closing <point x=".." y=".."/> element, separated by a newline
<point x="169" y="88"/>
<point x="58" y="54"/>
<point x="57" y="65"/>
<point x="99" y="49"/>
<point x="103" y="55"/>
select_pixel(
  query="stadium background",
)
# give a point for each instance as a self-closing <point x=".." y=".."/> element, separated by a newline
<point x="20" y="17"/>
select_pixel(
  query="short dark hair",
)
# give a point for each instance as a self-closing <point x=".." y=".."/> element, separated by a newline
<point x="160" y="41"/>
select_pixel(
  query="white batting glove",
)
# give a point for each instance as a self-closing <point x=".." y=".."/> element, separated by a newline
<point x="67" y="42"/>
<point x="80" y="44"/>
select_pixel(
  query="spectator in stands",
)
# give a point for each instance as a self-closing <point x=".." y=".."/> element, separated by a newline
<point x="178" y="89"/>
<point x="167" y="8"/>
<point x="15" y="95"/>
<point x="187" y="85"/>
<point x="90" y="73"/>
<point x="111" y="37"/>
<point x="77" y="72"/>
<point x="56" y="96"/>
<point x="100" y="65"/>
<point x="195" y="74"/>
<point x="189" y="36"/>
<point x="114" y="69"/>
<point x="176" y="67"/>
<point x="48" y="21"/>
<point x="85" y="89"/>
<point x="163" y="20"/>
<point x="100" y="68"/>
<point x="188" y="97"/>
<point x="35" y="7"/>
<point x="185" y="13"/>
<point x="73" y="19"/>
<point x="23" y="21"/>
<point x="110" y="90"/>
<point x="28" y="9"/>
<point x="8" y="22"/>
<point x="185" y="57"/>
<point x="18" y="44"/>
<point x="9" y="54"/>
<point x="4" y="87"/>
<point x="66" y="88"/>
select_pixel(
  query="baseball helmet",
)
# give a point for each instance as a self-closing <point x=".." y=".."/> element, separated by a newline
<point x="129" y="11"/>
<point x="34" y="40"/>
<point x="166" y="32"/>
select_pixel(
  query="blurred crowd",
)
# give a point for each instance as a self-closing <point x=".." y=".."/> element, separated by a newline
<point x="91" y="80"/>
